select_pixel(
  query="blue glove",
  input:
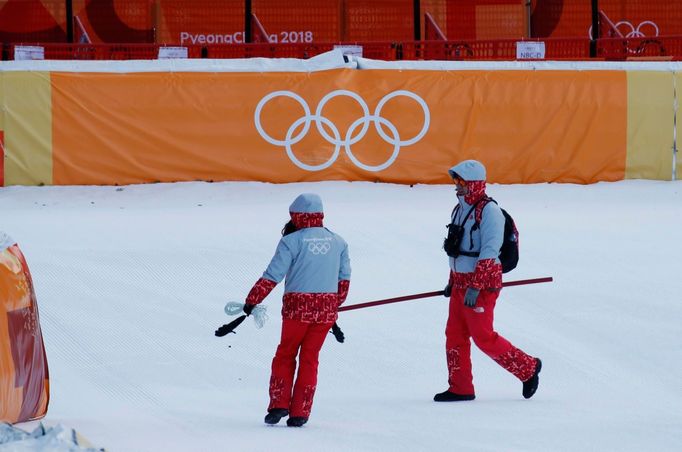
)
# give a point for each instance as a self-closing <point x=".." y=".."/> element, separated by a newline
<point x="447" y="291"/>
<point x="470" y="297"/>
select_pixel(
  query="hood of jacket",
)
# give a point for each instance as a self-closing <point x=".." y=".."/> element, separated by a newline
<point x="474" y="174"/>
<point x="306" y="211"/>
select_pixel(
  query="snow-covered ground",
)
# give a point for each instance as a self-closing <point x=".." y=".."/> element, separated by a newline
<point x="131" y="284"/>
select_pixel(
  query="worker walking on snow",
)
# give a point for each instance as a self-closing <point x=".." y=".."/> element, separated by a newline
<point x="316" y="266"/>
<point x="473" y="287"/>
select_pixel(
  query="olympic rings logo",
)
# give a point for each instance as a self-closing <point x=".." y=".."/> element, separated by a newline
<point x="349" y="139"/>
<point x="627" y="30"/>
<point x="636" y="32"/>
<point x="319" y="248"/>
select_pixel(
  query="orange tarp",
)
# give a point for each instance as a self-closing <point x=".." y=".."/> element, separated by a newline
<point x="24" y="384"/>
<point x="391" y="126"/>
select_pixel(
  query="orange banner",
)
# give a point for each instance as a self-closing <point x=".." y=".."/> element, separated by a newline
<point x="24" y="384"/>
<point x="391" y="126"/>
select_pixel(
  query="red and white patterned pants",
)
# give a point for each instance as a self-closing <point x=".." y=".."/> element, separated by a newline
<point x="309" y="337"/>
<point x="477" y="323"/>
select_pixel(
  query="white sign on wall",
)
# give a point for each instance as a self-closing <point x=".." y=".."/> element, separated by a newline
<point x="530" y="50"/>
<point x="172" y="52"/>
<point x="29" y="53"/>
<point x="350" y="50"/>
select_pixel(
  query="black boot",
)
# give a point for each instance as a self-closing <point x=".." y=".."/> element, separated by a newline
<point x="275" y="414"/>
<point x="447" y="396"/>
<point x="531" y="385"/>
<point x="296" y="421"/>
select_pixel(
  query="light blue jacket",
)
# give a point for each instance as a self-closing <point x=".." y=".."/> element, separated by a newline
<point x="313" y="260"/>
<point x="485" y="239"/>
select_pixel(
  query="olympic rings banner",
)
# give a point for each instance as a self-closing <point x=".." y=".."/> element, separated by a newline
<point x="400" y="126"/>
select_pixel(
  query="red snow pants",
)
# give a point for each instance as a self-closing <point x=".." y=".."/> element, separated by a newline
<point x="477" y="323"/>
<point x="305" y="340"/>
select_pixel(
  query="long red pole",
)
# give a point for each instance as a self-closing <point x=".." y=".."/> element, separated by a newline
<point x="435" y="294"/>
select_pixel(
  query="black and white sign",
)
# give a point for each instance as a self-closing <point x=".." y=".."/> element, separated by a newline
<point x="172" y="52"/>
<point x="530" y="50"/>
<point x="29" y="53"/>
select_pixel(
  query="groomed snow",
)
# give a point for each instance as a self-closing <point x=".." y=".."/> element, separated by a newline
<point x="131" y="284"/>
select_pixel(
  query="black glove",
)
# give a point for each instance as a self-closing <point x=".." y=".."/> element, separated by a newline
<point x="248" y="308"/>
<point x="338" y="334"/>
<point x="447" y="291"/>
<point x="470" y="297"/>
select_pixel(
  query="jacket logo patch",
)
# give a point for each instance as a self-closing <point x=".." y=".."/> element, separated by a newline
<point x="318" y="246"/>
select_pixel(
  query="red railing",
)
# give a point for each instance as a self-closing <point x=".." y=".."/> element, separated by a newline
<point x="374" y="50"/>
<point x="500" y="49"/>
<point x="644" y="48"/>
<point x="54" y="51"/>
<point x="58" y="51"/>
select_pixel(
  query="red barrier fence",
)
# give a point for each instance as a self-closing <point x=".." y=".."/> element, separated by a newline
<point x="644" y="48"/>
<point x="211" y="22"/>
<point x="116" y="21"/>
<point x="374" y="50"/>
<point x="486" y="19"/>
<point x="52" y="51"/>
<point x="300" y="21"/>
<point x="555" y="49"/>
<point x="633" y="18"/>
<point x="200" y="22"/>
<point x="378" y="20"/>
<point x="55" y="51"/>
<point x="34" y="21"/>
<point x="661" y="48"/>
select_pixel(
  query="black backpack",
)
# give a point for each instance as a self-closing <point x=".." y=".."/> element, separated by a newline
<point x="509" y="252"/>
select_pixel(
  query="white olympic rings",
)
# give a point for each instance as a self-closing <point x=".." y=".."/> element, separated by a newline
<point x="634" y="32"/>
<point x="319" y="248"/>
<point x="379" y="122"/>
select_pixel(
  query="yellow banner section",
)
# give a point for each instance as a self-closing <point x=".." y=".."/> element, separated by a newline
<point x="678" y="124"/>
<point x="2" y="129"/>
<point x="376" y="125"/>
<point x="27" y="128"/>
<point x="650" y="125"/>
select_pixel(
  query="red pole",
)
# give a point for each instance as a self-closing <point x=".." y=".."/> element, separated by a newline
<point x="435" y="294"/>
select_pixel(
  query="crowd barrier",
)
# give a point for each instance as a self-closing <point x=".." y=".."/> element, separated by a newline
<point x="614" y="48"/>
<point x="529" y="123"/>
<point x="497" y="49"/>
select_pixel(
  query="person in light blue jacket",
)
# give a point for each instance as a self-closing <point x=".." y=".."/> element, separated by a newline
<point x="315" y="265"/>
<point x="473" y="287"/>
